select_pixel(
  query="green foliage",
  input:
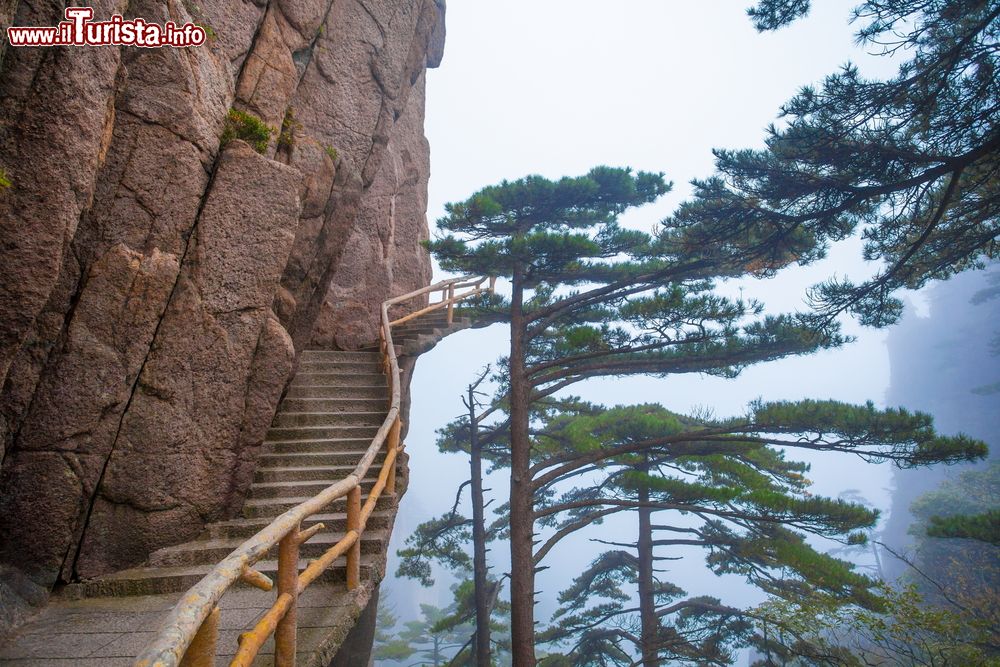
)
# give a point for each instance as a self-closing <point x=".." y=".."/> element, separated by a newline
<point x="197" y="13"/>
<point x="542" y="224"/>
<point x="910" y="162"/>
<point x="701" y="629"/>
<point x="946" y="615"/>
<point x="754" y="502"/>
<point x="289" y="126"/>
<point x="249" y="128"/>
<point x="429" y="639"/>
<point x="331" y="151"/>
<point x="648" y="303"/>
<point x="974" y="492"/>
<point x="984" y="527"/>
<point x="961" y="572"/>
<point x="753" y="508"/>
<point x="387" y="644"/>
<point x="4" y="180"/>
<point x="774" y="14"/>
<point x="209" y="31"/>
<point x="905" y="630"/>
<point x="896" y="434"/>
<point x="592" y="299"/>
<point x="442" y="539"/>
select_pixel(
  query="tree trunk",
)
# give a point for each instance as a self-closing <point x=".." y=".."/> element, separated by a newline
<point x="522" y="569"/>
<point x="481" y="647"/>
<point x="647" y="599"/>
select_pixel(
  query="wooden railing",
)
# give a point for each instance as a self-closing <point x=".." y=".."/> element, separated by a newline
<point x="188" y="636"/>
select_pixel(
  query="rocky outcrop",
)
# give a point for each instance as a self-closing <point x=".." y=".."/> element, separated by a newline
<point x="391" y="218"/>
<point x="156" y="288"/>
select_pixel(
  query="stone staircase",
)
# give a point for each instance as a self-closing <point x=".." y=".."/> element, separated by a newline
<point x="332" y="410"/>
<point x="324" y="424"/>
<point x="417" y="336"/>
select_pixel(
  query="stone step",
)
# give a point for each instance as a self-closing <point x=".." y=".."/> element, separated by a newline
<point x="297" y="489"/>
<point x="407" y="330"/>
<point x="338" y="391"/>
<point x="335" y="405"/>
<point x="272" y="507"/>
<point x="310" y="366"/>
<point x="338" y="379"/>
<point x="334" y="521"/>
<point x="322" y="445"/>
<point x="206" y="552"/>
<point x="440" y="315"/>
<point x="286" y="433"/>
<point x="295" y="419"/>
<point x="159" y="580"/>
<point x="338" y="355"/>
<point x="269" y="474"/>
<point x="322" y="452"/>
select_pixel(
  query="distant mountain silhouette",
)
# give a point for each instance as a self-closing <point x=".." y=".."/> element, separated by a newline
<point x="946" y="364"/>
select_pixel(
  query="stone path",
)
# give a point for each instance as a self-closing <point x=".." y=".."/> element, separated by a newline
<point x="326" y="421"/>
<point x="111" y="631"/>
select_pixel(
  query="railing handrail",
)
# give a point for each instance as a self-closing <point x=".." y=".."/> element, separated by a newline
<point x="457" y="283"/>
<point x="195" y="614"/>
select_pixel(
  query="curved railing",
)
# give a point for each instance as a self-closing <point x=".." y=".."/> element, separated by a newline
<point x="188" y="636"/>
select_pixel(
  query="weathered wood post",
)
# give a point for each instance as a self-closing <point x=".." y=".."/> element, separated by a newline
<point x="354" y="523"/>
<point x="285" y="634"/>
<point x="451" y="303"/>
<point x="392" y="445"/>
<point x="201" y="651"/>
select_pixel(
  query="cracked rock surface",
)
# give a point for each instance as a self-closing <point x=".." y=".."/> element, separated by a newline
<point x="156" y="288"/>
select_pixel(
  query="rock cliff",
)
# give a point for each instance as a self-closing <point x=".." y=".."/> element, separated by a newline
<point x="156" y="287"/>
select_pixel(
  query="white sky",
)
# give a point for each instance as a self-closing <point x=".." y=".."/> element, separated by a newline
<point x="556" y="87"/>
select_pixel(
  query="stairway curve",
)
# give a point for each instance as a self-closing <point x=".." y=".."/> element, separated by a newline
<point x="332" y="409"/>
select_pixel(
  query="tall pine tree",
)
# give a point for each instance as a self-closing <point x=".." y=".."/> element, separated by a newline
<point x="753" y="509"/>
<point x="722" y="486"/>
<point x="590" y="298"/>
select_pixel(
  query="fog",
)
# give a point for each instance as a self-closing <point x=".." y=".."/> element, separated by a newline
<point x="556" y="87"/>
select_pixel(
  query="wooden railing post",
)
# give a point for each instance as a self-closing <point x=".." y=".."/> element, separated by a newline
<point x="392" y="444"/>
<point x="354" y="523"/>
<point x="285" y="634"/>
<point x="451" y="304"/>
<point x="493" y="284"/>
<point x="201" y="651"/>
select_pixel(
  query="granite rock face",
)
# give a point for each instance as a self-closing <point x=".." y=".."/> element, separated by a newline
<point x="156" y="287"/>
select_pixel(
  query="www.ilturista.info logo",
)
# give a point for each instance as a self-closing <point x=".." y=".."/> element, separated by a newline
<point x="79" y="30"/>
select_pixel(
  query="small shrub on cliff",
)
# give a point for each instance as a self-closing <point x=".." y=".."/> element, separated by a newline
<point x="289" y="126"/>
<point x="249" y="128"/>
<point x="331" y="151"/>
<point x="4" y="180"/>
<point x="209" y="30"/>
<point x="197" y="13"/>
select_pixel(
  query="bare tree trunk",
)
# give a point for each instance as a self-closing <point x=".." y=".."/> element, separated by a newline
<point x="647" y="597"/>
<point x="522" y="568"/>
<point x="481" y="647"/>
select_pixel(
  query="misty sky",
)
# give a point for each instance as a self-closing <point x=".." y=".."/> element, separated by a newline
<point x="556" y="87"/>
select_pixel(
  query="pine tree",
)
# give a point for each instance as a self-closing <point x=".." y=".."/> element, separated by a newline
<point x="956" y="554"/>
<point x="589" y="299"/>
<point x="387" y="645"/>
<point x="435" y="637"/>
<point x="443" y="539"/>
<point x="752" y="506"/>
<point x="912" y="161"/>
